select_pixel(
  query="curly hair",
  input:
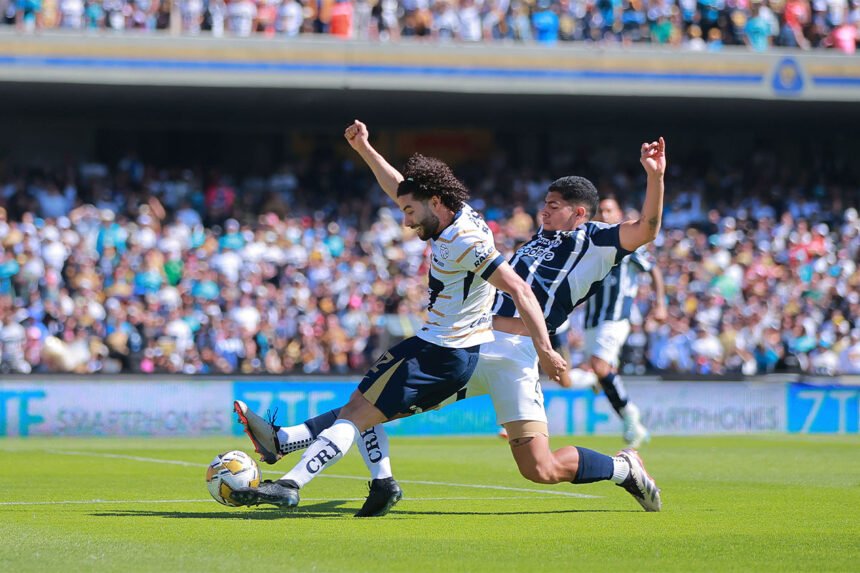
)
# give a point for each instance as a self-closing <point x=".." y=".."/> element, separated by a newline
<point x="578" y="190"/>
<point x="425" y="177"/>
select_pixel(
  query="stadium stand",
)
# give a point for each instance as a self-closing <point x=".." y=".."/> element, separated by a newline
<point x="132" y="268"/>
<point x="702" y="25"/>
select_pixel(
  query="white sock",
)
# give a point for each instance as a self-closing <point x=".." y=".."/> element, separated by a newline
<point x="331" y="445"/>
<point x="630" y="412"/>
<point x="620" y="470"/>
<point x="294" y="438"/>
<point x="373" y="445"/>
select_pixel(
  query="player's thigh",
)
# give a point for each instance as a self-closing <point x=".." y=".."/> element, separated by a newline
<point x="606" y="340"/>
<point x="513" y="380"/>
<point x="531" y="453"/>
<point x="490" y="363"/>
<point x="361" y="412"/>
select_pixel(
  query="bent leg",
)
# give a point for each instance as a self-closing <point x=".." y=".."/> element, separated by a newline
<point x="611" y="383"/>
<point x="529" y="442"/>
<point x="536" y="462"/>
<point x="332" y="443"/>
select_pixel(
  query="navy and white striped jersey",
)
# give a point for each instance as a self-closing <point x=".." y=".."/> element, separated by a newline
<point x="563" y="268"/>
<point x="613" y="299"/>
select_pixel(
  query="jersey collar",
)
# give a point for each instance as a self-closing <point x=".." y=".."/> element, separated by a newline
<point x="439" y="234"/>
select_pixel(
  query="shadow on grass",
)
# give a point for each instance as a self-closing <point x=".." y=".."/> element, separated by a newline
<point x="503" y="513"/>
<point x="326" y="509"/>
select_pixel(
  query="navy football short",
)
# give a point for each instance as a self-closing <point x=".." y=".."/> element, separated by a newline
<point x="416" y="375"/>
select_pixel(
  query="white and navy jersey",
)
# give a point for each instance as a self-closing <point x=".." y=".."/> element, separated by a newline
<point x="613" y="299"/>
<point x="563" y="268"/>
<point x="462" y="258"/>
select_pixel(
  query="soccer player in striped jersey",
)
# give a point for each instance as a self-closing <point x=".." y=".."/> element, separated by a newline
<point x="607" y="324"/>
<point x="564" y="264"/>
<point x="420" y="372"/>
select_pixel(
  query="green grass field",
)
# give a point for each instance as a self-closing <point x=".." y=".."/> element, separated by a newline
<point x="772" y="503"/>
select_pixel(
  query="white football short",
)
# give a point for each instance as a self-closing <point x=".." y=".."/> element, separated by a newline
<point x="606" y="340"/>
<point x="507" y="370"/>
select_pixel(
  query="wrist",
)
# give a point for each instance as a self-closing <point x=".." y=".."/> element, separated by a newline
<point x="543" y="347"/>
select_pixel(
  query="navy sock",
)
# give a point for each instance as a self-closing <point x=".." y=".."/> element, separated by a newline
<point x="321" y="422"/>
<point x="615" y="391"/>
<point x="593" y="466"/>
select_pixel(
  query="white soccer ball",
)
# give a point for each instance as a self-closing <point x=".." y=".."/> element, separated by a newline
<point x="228" y="472"/>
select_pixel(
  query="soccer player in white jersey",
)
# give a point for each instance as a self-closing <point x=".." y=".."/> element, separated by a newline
<point x="564" y="263"/>
<point x="607" y="324"/>
<point x="420" y="372"/>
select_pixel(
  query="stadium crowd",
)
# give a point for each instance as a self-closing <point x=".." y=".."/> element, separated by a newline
<point x="693" y="24"/>
<point x="135" y="269"/>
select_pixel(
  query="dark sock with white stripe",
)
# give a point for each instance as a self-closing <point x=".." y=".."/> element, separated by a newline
<point x="321" y="422"/>
<point x="594" y="466"/>
<point x="614" y="389"/>
<point x="300" y="436"/>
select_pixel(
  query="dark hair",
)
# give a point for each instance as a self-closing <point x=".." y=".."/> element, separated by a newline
<point x="428" y="176"/>
<point x="579" y="190"/>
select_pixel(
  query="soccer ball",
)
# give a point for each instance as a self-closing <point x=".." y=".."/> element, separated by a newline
<point x="228" y="472"/>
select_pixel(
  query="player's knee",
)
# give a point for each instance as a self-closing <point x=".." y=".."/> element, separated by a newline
<point x="601" y="367"/>
<point x="360" y="412"/>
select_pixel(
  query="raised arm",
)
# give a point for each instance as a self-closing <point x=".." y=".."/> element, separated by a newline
<point x="387" y="176"/>
<point x="634" y="234"/>
<point x="659" y="313"/>
<point x="506" y="279"/>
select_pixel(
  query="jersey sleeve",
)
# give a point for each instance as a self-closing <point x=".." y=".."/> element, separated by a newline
<point x="476" y="254"/>
<point x="642" y="259"/>
<point x="608" y="237"/>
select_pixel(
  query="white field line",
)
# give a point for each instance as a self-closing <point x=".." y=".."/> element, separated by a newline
<point x="336" y="476"/>
<point x="145" y="501"/>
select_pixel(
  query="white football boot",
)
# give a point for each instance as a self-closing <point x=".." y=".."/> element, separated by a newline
<point x="639" y="484"/>
<point x="635" y="434"/>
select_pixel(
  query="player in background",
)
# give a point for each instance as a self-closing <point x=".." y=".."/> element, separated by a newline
<point x="420" y="372"/>
<point x="564" y="263"/>
<point x="607" y="324"/>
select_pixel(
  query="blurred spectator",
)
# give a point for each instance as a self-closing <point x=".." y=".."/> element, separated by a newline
<point x="241" y="16"/>
<point x="545" y="22"/>
<point x="98" y="275"/>
<point x="690" y="24"/>
<point x="757" y="31"/>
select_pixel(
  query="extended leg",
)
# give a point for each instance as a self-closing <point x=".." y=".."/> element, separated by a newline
<point x="329" y="447"/>
<point x="539" y="464"/>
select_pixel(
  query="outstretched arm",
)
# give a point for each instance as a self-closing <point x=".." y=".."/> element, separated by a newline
<point x="659" y="313"/>
<point x="634" y="234"/>
<point x="506" y="279"/>
<point x="387" y="176"/>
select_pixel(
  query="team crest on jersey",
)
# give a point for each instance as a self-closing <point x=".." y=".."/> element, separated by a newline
<point x="444" y="252"/>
